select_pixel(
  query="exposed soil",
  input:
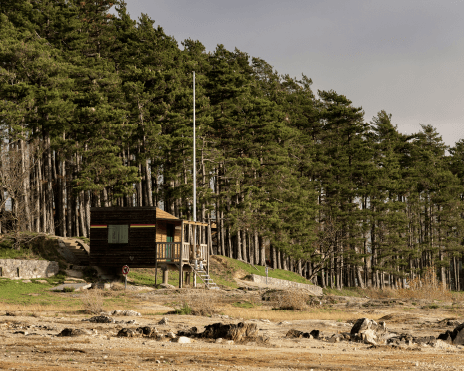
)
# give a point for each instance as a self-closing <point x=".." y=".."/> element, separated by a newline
<point x="31" y="342"/>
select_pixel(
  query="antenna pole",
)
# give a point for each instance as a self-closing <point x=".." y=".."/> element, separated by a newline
<point x="194" y="180"/>
<point x="194" y="159"/>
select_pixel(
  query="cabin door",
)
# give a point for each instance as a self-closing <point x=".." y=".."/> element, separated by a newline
<point x="169" y="238"/>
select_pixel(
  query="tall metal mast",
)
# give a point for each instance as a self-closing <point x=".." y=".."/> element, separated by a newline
<point x="194" y="158"/>
<point x="194" y="175"/>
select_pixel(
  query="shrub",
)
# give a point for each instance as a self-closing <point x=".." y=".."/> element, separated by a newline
<point x="199" y="302"/>
<point x="427" y="287"/>
<point x="92" y="301"/>
<point x="289" y="300"/>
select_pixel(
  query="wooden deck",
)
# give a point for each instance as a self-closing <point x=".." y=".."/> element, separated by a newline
<point x="171" y="252"/>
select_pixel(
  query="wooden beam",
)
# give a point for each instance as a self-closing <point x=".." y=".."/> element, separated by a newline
<point x="195" y="223"/>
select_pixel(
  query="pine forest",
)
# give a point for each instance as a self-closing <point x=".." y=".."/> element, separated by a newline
<point x="96" y="110"/>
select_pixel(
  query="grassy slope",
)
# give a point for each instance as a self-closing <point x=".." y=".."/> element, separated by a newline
<point x="225" y="269"/>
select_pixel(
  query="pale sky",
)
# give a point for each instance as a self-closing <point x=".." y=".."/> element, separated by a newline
<point x="403" y="56"/>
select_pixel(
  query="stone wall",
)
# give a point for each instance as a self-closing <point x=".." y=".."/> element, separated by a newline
<point x="284" y="284"/>
<point x="19" y="269"/>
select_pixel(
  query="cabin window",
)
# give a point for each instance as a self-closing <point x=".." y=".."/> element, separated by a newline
<point x="118" y="234"/>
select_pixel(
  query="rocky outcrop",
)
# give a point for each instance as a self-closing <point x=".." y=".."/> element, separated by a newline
<point x="455" y="337"/>
<point x="314" y="334"/>
<point x="239" y="332"/>
<point x="369" y="331"/>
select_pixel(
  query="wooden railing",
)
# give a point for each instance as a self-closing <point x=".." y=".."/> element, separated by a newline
<point x="186" y="251"/>
<point x="168" y="251"/>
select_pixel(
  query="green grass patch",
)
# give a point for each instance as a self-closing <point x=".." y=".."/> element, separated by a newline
<point x="227" y="281"/>
<point x="244" y="304"/>
<point x="16" y="292"/>
<point x="143" y="279"/>
<point x="349" y="291"/>
<point x="185" y="309"/>
<point x="146" y="277"/>
<point x="261" y="271"/>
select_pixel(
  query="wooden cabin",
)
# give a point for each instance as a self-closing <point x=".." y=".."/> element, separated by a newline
<point x="146" y="237"/>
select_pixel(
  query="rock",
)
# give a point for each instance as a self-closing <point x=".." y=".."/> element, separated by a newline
<point x="101" y="319"/>
<point x="316" y="334"/>
<point x="167" y="286"/>
<point x="74" y="332"/>
<point x="21" y="332"/>
<point x="335" y="338"/>
<point x="171" y="335"/>
<point x="292" y="333"/>
<point x="283" y="323"/>
<point x="10" y="314"/>
<point x="455" y="337"/>
<point x="369" y="331"/>
<point x="299" y="334"/>
<point x="183" y="340"/>
<point x="164" y="321"/>
<point x="131" y="322"/>
<point x="190" y="332"/>
<point x="128" y="333"/>
<point x="147" y="330"/>
<point x="26" y="281"/>
<point x="369" y="336"/>
<point x="125" y="313"/>
<point x="239" y="332"/>
<point x="219" y="340"/>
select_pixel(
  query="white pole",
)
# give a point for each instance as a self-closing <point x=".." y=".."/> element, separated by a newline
<point x="194" y="158"/>
<point x="194" y="178"/>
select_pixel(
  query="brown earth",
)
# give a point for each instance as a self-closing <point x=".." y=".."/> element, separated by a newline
<point x="31" y="342"/>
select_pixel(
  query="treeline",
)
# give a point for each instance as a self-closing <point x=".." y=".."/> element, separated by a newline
<point x="96" y="110"/>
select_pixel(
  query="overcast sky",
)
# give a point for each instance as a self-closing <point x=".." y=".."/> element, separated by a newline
<point x="403" y="56"/>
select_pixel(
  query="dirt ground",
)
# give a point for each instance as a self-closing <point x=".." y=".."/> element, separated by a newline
<point x="30" y="342"/>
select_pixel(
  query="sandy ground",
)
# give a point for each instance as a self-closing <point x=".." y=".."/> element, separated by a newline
<point x="31" y="343"/>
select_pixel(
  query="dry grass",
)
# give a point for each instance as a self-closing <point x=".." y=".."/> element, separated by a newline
<point x="200" y="302"/>
<point x="92" y="301"/>
<point x="278" y="316"/>
<point x="289" y="300"/>
<point x="428" y="287"/>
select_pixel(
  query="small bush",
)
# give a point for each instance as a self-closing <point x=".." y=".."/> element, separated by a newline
<point x="427" y="287"/>
<point x="199" y="302"/>
<point x="92" y="301"/>
<point x="185" y="309"/>
<point x="289" y="300"/>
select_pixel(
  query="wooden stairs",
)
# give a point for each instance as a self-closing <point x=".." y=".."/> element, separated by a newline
<point x="77" y="248"/>
<point x="204" y="276"/>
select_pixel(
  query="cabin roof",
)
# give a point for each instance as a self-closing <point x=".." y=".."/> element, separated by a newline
<point x="161" y="214"/>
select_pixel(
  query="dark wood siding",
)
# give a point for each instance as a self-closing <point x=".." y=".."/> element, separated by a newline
<point x="140" y="249"/>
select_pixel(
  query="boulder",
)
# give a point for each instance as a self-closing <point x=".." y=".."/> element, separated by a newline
<point x="183" y="340"/>
<point x="369" y="331"/>
<point x="147" y="330"/>
<point x="101" y="319"/>
<point x="190" y="332"/>
<point x="125" y="313"/>
<point x="239" y="332"/>
<point x="128" y="332"/>
<point x="74" y="332"/>
<point x="164" y="321"/>
<point x="455" y="337"/>
<point x="298" y="334"/>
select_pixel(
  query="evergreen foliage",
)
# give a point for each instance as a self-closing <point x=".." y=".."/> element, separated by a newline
<point x="96" y="110"/>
